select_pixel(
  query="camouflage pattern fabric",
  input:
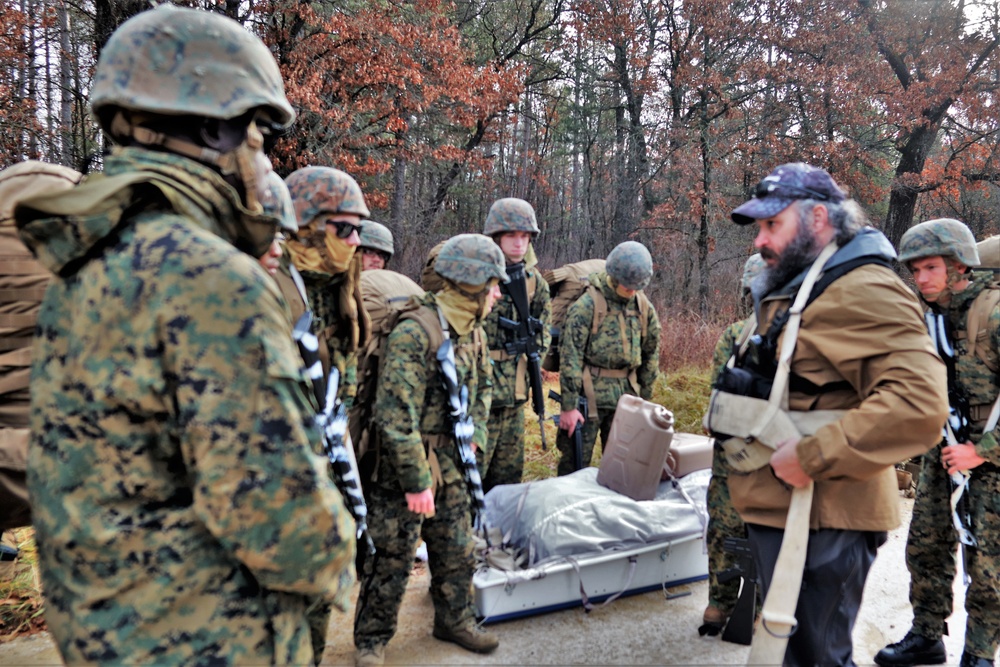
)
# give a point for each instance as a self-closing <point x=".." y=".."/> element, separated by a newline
<point x="325" y="294"/>
<point x="505" y="370"/>
<point x="631" y="265"/>
<point x="411" y="405"/>
<point x="181" y="515"/>
<point x="317" y="190"/>
<point x="501" y="461"/>
<point x="931" y="541"/>
<point x="723" y="519"/>
<point x="504" y="452"/>
<point x="944" y="236"/>
<point x="377" y="236"/>
<point x="607" y="349"/>
<point x="510" y="215"/>
<point x="470" y="259"/>
<point x="396" y="532"/>
<point x="171" y="60"/>
<point x="277" y="202"/>
<point x="565" y="446"/>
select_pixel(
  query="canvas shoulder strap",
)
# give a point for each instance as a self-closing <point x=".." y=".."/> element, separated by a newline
<point x="979" y="315"/>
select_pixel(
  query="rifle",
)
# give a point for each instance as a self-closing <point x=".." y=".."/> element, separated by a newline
<point x="739" y="627"/>
<point x="332" y="423"/>
<point x="584" y="409"/>
<point x="526" y="331"/>
<point x="463" y="429"/>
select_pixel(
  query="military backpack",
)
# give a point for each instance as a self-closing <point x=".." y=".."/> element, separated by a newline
<point x="567" y="284"/>
<point x="384" y="295"/>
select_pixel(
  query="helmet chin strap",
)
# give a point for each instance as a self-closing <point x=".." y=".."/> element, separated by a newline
<point x="238" y="162"/>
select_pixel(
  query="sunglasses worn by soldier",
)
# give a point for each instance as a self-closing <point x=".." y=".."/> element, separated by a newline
<point x="343" y="230"/>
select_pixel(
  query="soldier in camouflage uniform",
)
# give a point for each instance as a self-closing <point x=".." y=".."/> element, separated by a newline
<point x="622" y="357"/>
<point x="511" y="224"/>
<point x="418" y="490"/>
<point x="940" y="253"/>
<point x="329" y="207"/>
<point x="723" y="519"/>
<point x="181" y="514"/>
<point x="276" y="202"/>
<point x="376" y="245"/>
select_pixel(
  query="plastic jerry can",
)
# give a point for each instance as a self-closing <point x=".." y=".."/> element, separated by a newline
<point x="688" y="452"/>
<point x="637" y="448"/>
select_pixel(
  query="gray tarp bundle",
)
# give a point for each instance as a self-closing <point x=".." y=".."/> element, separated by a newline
<point x="573" y="515"/>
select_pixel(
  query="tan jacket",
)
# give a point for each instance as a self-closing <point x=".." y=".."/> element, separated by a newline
<point x="866" y="328"/>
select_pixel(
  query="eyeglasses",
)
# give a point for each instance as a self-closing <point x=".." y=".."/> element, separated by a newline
<point x="343" y="229"/>
<point x="770" y="188"/>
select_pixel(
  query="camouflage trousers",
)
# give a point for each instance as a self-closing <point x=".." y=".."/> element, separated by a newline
<point x="930" y="556"/>
<point x="564" y="443"/>
<point x="503" y="460"/>
<point x="395" y="531"/>
<point x="723" y="521"/>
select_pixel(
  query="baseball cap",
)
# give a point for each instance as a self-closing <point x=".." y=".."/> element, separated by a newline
<point x="784" y="185"/>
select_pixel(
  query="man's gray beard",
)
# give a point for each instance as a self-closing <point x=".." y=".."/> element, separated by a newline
<point x="799" y="254"/>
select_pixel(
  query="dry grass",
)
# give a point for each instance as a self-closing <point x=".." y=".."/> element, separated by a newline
<point x="21" y="603"/>
<point x="688" y="339"/>
<point x="684" y="392"/>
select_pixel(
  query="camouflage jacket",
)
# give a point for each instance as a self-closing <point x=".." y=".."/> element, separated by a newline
<point x="411" y="405"/>
<point x="974" y="379"/>
<point x="181" y="515"/>
<point x="609" y="348"/>
<point x="509" y="390"/>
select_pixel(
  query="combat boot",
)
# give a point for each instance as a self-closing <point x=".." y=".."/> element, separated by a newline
<point x="969" y="660"/>
<point x="469" y="636"/>
<point x="712" y="622"/>
<point x="913" y="649"/>
<point x="370" y="657"/>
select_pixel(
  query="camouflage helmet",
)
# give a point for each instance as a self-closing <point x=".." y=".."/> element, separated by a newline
<point x="945" y="237"/>
<point x="29" y="179"/>
<point x="471" y="259"/>
<point x="278" y="203"/>
<point x="755" y="264"/>
<point x="510" y="215"/>
<point x="376" y="236"/>
<point x="317" y="190"/>
<point x="631" y="265"/>
<point x="175" y="61"/>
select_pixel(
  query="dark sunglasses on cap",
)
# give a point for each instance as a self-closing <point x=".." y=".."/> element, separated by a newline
<point x="343" y="229"/>
<point x="771" y="189"/>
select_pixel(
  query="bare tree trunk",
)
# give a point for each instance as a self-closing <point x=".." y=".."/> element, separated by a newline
<point x="66" y="90"/>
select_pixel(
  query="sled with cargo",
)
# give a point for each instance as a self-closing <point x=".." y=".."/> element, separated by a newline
<point x="572" y="541"/>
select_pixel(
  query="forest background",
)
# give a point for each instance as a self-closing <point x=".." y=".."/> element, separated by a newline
<point x="617" y="119"/>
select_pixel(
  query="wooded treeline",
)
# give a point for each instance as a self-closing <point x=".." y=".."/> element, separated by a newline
<point x="616" y="119"/>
